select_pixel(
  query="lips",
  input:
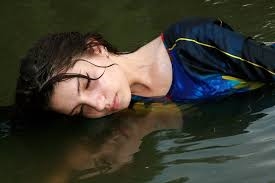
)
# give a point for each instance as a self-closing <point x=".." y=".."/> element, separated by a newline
<point x="115" y="105"/>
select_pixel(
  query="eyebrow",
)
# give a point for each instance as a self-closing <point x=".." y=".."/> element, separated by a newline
<point x="78" y="93"/>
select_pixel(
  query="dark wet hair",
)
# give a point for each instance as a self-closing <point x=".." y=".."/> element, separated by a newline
<point x="42" y="65"/>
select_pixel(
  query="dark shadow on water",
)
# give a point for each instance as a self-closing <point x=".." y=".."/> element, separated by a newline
<point x="228" y="116"/>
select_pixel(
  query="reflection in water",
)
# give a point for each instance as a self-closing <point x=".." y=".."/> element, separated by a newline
<point x="116" y="143"/>
<point x="4" y="121"/>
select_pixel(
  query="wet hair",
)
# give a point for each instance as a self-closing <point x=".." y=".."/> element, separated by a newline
<point x="46" y="63"/>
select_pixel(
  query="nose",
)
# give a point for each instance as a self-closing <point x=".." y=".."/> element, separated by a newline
<point x="98" y="102"/>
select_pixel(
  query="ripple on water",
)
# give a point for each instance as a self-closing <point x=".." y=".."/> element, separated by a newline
<point x="247" y="156"/>
<point x="4" y="129"/>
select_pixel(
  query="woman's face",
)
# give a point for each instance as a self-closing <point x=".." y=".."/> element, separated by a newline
<point x="97" y="98"/>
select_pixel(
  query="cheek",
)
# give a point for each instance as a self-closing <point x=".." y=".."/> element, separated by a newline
<point x="110" y="81"/>
<point x="117" y="77"/>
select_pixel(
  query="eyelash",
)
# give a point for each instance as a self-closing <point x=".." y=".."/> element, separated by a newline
<point x="88" y="81"/>
<point x="87" y="86"/>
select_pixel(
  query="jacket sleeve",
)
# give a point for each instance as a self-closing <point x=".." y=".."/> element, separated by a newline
<point x="259" y="61"/>
<point x="212" y="46"/>
<point x="240" y="56"/>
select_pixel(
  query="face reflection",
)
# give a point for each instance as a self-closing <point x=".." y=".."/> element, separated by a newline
<point x="95" y="98"/>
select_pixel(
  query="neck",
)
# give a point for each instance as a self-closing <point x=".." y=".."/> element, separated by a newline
<point x="142" y="68"/>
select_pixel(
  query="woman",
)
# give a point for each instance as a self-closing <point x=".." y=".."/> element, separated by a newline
<point x="193" y="60"/>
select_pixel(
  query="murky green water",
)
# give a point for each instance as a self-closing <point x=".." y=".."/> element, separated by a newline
<point x="230" y="140"/>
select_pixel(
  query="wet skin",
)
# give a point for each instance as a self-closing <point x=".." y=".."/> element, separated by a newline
<point x="106" y="95"/>
<point x="145" y="72"/>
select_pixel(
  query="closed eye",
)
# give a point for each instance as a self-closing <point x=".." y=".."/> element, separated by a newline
<point x="88" y="81"/>
<point x="80" y="107"/>
<point x="80" y="113"/>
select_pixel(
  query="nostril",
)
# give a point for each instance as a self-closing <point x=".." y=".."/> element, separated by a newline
<point x="108" y="106"/>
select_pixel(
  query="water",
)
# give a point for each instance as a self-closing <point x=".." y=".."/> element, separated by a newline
<point x="230" y="140"/>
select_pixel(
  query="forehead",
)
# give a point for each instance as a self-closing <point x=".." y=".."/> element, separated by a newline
<point x="64" y="96"/>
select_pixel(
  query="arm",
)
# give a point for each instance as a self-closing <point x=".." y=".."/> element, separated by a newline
<point x="211" y="46"/>
<point x="246" y="58"/>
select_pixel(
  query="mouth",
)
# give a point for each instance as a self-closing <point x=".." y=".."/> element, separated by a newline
<point x="115" y="104"/>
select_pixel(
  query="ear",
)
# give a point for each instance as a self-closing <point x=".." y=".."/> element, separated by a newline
<point x="97" y="49"/>
<point x="100" y="50"/>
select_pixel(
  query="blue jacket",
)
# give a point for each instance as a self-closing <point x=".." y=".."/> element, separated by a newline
<point x="210" y="60"/>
